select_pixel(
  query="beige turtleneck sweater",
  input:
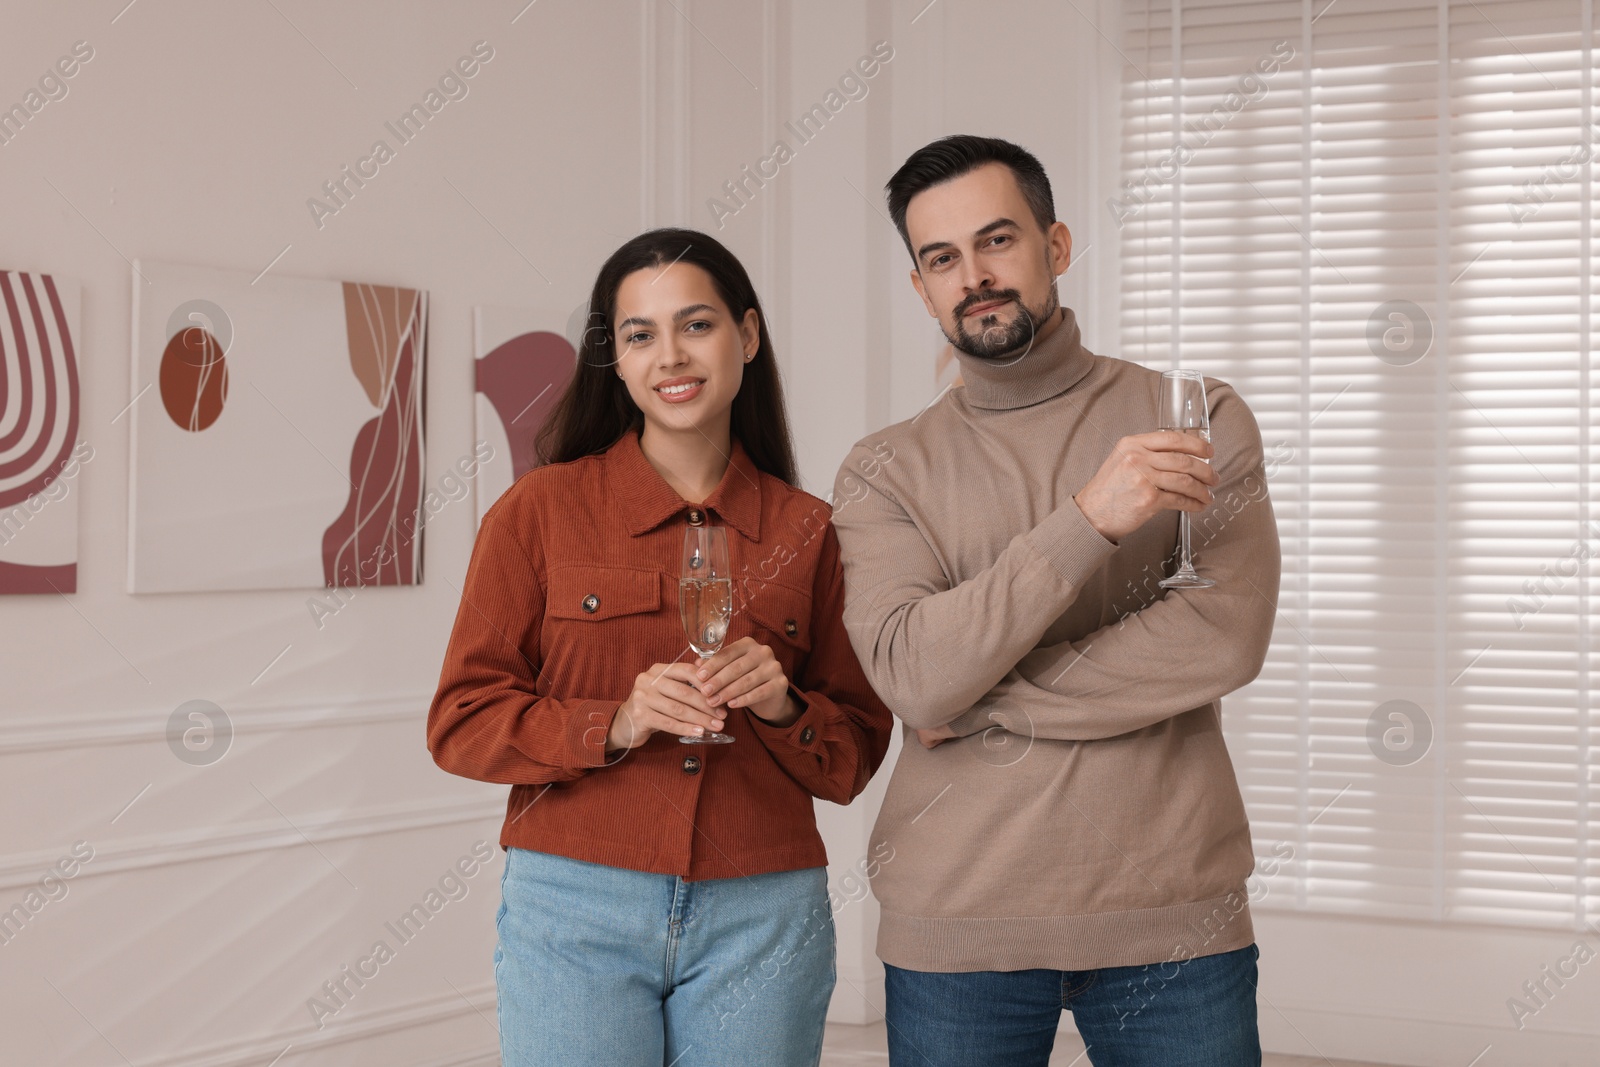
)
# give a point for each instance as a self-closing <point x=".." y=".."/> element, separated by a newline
<point x="1088" y="815"/>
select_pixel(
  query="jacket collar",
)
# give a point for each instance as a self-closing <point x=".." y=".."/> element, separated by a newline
<point x="648" y="501"/>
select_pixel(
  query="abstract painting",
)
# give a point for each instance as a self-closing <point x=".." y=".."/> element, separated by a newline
<point x="277" y="431"/>
<point x="521" y="373"/>
<point x="40" y="454"/>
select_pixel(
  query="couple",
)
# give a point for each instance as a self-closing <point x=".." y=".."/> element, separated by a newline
<point x="1063" y="833"/>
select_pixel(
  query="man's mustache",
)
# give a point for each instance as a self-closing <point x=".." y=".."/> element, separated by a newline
<point x="987" y="298"/>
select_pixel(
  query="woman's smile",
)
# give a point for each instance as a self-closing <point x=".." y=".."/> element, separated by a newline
<point x="680" y="390"/>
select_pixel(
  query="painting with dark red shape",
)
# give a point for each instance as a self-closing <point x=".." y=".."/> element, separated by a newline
<point x="523" y="378"/>
<point x="194" y="378"/>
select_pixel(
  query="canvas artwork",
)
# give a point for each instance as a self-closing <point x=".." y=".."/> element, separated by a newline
<point x="521" y="373"/>
<point x="277" y="431"/>
<point x="40" y="454"/>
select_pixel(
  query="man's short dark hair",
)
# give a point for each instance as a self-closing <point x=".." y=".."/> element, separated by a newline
<point x="951" y="157"/>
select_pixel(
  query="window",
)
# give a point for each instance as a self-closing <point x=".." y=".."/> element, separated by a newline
<point x="1375" y="219"/>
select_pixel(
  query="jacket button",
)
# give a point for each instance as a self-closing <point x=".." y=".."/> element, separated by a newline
<point x="696" y="517"/>
<point x="591" y="603"/>
<point x="806" y="735"/>
<point x="790" y="628"/>
<point x="691" y="765"/>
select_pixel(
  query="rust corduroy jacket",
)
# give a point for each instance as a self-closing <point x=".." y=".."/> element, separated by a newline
<point x="572" y="591"/>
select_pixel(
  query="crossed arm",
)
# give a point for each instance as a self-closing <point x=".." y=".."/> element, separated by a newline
<point x="914" y="632"/>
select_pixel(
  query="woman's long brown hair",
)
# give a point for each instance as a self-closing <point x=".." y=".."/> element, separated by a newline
<point x="596" y="410"/>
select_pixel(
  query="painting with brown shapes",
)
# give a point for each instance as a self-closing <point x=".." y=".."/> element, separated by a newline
<point x="276" y="431"/>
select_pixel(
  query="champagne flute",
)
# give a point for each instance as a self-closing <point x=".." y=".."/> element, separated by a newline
<point x="1182" y="407"/>
<point x="705" y="601"/>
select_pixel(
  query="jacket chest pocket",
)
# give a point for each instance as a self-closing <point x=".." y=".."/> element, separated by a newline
<point x="592" y="595"/>
<point x="780" y="618"/>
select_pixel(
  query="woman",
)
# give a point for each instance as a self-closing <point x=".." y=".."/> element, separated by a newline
<point x="662" y="903"/>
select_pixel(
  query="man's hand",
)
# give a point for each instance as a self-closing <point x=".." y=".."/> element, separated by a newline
<point x="936" y="736"/>
<point x="1146" y="474"/>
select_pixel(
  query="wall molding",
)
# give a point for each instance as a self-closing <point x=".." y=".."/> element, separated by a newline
<point x="481" y="1059"/>
<point x="1413" y="1039"/>
<point x="269" y="834"/>
<point x="682" y="114"/>
<point x="42" y="733"/>
<point x="769" y="134"/>
<point x="428" y="1011"/>
<point x="649" y="89"/>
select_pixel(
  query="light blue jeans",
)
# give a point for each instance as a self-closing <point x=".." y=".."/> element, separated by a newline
<point x="606" y="966"/>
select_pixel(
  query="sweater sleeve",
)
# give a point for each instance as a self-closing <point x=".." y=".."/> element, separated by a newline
<point x="1185" y="647"/>
<point x="930" y="649"/>
<point x="487" y="720"/>
<point x="841" y="737"/>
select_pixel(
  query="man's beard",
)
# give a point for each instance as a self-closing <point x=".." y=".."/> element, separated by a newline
<point x="994" y="339"/>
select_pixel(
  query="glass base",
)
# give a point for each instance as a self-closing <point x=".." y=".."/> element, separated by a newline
<point x="1187" y="580"/>
<point x="712" y="738"/>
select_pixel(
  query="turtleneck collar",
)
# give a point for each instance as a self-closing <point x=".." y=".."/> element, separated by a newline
<point x="1049" y="368"/>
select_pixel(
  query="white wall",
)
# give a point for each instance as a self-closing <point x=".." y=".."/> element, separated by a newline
<point x="224" y="896"/>
<point x="220" y="898"/>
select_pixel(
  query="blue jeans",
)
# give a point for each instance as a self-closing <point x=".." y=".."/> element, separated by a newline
<point x="606" y="966"/>
<point x="1198" y="1013"/>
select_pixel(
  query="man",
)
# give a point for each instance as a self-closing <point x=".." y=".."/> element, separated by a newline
<point x="1066" y="825"/>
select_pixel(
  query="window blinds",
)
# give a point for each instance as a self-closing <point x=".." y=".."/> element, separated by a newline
<point x="1375" y="219"/>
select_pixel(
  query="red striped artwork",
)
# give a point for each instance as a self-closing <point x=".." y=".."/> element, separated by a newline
<point x="39" y="411"/>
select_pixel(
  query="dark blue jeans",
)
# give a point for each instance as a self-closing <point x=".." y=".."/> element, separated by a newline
<point x="1198" y="1013"/>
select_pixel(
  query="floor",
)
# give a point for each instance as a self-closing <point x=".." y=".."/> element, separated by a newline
<point x="865" y="1046"/>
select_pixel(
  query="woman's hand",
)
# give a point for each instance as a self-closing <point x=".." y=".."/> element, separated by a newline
<point x="664" y="700"/>
<point x="747" y="675"/>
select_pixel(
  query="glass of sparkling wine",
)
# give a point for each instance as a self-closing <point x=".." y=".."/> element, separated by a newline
<point x="1182" y="407"/>
<point x="705" y="600"/>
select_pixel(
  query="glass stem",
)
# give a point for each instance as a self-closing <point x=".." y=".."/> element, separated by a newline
<point x="1184" y="564"/>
